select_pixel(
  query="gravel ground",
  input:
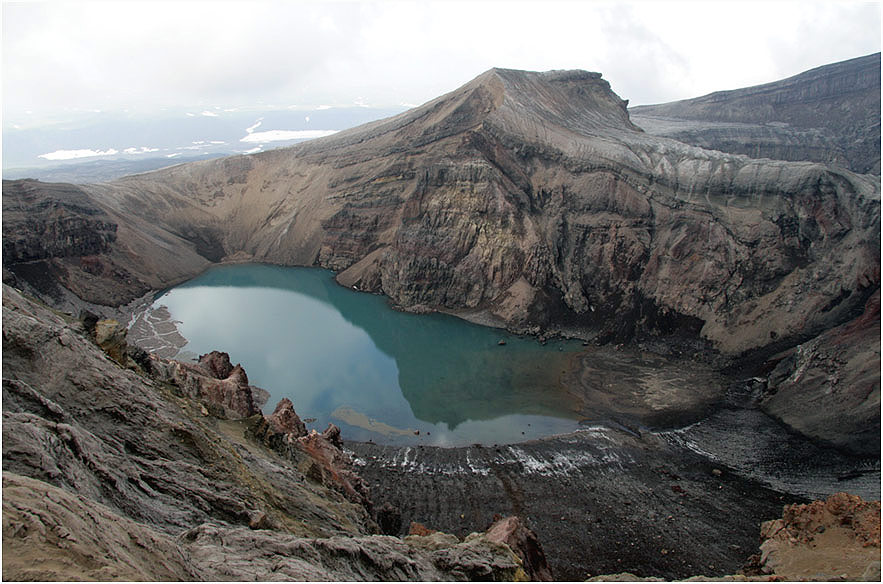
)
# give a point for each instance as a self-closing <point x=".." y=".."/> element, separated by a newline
<point x="670" y="503"/>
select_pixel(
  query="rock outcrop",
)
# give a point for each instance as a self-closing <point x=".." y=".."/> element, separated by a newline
<point x="527" y="198"/>
<point x="836" y="539"/>
<point x="285" y="420"/>
<point x="214" y="381"/>
<point x="829" y="114"/>
<point x="512" y="532"/>
<point x="110" y="474"/>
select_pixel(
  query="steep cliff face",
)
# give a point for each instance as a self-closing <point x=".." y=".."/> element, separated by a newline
<point x="66" y="247"/>
<point x="530" y="197"/>
<point x="829" y="114"/>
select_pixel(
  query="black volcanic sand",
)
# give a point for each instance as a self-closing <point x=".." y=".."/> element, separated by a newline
<point x="600" y="502"/>
<point x="613" y="498"/>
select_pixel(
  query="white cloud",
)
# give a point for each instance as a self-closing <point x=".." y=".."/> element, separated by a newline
<point x="142" y="150"/>
<point x="173" y="154"/>
<point x="252" y="128"/>
<point x="209" y="114"/>
<point x="91" y="54"/>
<point x="253" y="150"/>
<point x="71" y="154"/>
<point x="277" y="135"/>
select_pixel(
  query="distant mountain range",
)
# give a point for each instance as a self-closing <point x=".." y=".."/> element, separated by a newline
<point x="101" y="146"/>
<point x="100" y="170"/>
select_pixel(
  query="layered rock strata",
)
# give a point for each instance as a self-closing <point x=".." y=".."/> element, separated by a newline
<point x="829" y="114"/>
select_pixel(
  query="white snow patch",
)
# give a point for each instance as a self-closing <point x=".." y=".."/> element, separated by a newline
<point x="142" y="150"/>
<point x="172" y="155"/>
<point x="560" y="463"/>
<point x="276" y="135"/>
<point x="209" y="114"/>
<point x="71" y="154"/>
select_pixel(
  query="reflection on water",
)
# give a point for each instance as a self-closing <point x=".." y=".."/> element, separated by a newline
<point x="381" y="375"/>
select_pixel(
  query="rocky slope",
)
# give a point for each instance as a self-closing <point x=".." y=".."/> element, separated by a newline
<point x="838" y="371"/>
<point x="829" y="114"/>
<point x="151" y="472"/>
<point x="834" y="540"/>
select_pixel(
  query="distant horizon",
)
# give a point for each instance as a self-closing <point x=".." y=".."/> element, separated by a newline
<point x="291" y="124"/>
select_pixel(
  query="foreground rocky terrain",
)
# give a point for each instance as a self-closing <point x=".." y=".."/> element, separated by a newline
<point x="118" y="465"/>
<point x="167" y="471"/>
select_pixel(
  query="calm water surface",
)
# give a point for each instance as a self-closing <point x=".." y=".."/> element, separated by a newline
<point x="345" y="357"/>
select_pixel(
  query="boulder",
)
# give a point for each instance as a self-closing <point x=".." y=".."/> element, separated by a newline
<point x="834" y="539"/>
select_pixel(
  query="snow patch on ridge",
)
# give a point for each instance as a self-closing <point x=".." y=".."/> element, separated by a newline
<point x="277" y="135"/>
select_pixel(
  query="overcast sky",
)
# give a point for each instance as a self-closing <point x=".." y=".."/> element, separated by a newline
<point x="61" y="56"/>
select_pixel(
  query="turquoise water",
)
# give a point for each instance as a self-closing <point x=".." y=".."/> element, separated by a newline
<point x="345" y="357"/>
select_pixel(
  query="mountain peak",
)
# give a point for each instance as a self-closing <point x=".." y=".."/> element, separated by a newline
<point x="575" y="100"/>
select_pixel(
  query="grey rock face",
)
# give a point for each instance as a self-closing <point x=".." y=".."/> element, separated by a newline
<point x="830" y="114"/>
<point x="228" y="554"/>
<point x="52" y="220"/>
<point x="838" y="371"/>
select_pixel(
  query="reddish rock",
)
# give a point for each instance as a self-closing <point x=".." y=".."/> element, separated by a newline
<point x="804" y="522"/>
<point x="332" y="435"/>
<point x="420" y="529"/>
<point x="285" y="420"/>
<point x="217" y="363"/>
<point x="331" y="466"/>
<point x="521" y="540"/>
<point x="231" y="393"/>
<point x="835" y="539"/>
